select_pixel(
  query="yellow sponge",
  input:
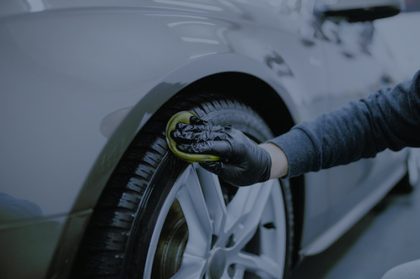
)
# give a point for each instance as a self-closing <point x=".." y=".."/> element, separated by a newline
<point x="184" y="117"/>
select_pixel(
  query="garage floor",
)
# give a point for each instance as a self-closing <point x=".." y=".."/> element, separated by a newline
<point x="387" y="236"/>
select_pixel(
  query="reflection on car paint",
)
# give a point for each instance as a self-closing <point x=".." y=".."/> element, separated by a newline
<point x="12" y="208"/>
<point x="111" y="121"/>
<point x="275" y="62"/>
<point x="191" y="4"/>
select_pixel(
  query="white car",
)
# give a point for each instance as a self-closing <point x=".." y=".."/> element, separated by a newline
<point x="88" y="188"/>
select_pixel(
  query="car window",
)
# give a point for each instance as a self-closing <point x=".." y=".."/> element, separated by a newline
<point x="412" y="5"/>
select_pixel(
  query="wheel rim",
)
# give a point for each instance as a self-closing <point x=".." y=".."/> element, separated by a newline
<point x="200" y="235"/>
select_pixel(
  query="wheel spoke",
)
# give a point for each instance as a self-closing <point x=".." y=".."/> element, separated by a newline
<point x="262" y="265"/>
<point x="214" y="197"/>
<point x="245" y="211"/>
<point x="239" y="272"/>
<point x="192" y="267"/>
<point x="194" y="207"/>
<point x="253" y="218"/>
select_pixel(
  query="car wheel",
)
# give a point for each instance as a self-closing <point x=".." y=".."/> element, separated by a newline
<point x="162" y="218"/>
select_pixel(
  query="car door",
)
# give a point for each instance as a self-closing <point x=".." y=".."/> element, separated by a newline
<point x="354" y="71"/>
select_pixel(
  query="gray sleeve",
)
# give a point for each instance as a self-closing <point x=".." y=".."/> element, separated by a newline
<point x="389" y="118"/>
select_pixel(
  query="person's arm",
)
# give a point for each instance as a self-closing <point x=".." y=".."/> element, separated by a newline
<point x="387" y="119"/>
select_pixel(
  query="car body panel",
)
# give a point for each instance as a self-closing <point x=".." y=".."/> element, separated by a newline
<point x="29" y="246"/>
<point x="69" y="86"/>
<point x="354" y="72"/>
<point x="80" y="79"/>
<point x="397" y="35"/>
<point x="352" y="216"/>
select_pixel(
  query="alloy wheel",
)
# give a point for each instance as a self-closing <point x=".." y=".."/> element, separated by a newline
<point x="203" y="232"/>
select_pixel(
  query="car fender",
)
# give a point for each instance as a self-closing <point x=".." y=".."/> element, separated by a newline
<point x="122" y="125"/>
<point x="67" y="88"/>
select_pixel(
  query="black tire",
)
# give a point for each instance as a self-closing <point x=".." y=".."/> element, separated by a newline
<point x="117" y="239"/>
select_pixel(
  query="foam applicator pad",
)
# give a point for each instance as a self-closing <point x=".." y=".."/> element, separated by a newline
<point x="184" y="117"/>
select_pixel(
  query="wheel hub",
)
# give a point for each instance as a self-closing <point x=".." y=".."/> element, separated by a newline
<point x="172" y="243"/>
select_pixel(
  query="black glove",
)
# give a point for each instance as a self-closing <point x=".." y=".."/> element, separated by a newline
<point x="242" y="162"/>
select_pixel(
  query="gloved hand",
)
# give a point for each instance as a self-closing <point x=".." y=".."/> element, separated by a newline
<point x="242" y="162"/>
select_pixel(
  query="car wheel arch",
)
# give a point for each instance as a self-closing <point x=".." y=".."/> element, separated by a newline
<point x="231" y="84"/>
